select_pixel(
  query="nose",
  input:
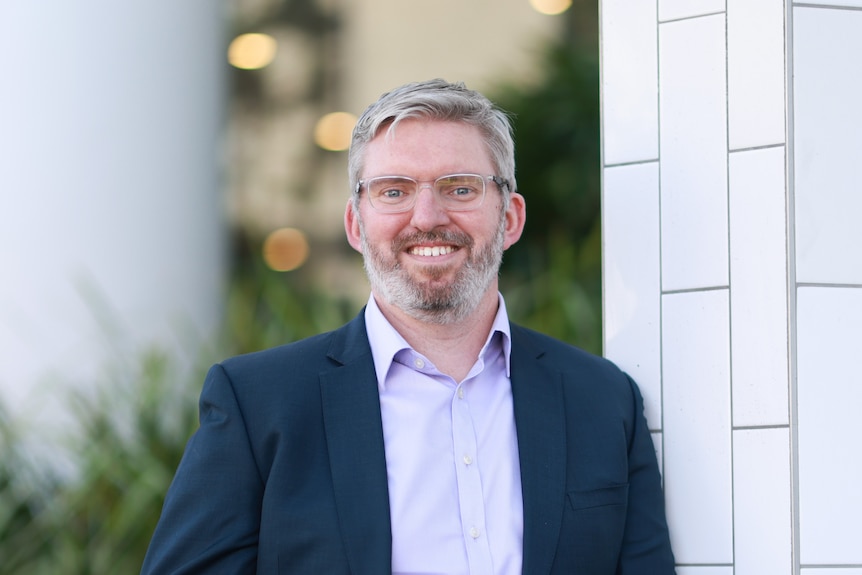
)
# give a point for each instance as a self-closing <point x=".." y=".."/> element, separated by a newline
<point x="428" y="211"/>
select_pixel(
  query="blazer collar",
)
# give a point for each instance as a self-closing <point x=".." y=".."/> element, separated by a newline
<point x="537" y="396"/>
<point x="354" y="435"/>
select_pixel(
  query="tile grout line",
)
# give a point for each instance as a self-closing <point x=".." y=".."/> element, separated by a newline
<point x="727" y="215"/>
<point x="790" y="227"/>
<point x="755" y="148"/>
<point x="694" y="290"/>
<point x="761" y="427"/>
<point x="632" y="163"/>
<point x="826" y="6"/>
<point x="827" y="285"/>
<point x="602" y="168"/>
<point x="687" y="18"/>
<point x="660" y="295"/>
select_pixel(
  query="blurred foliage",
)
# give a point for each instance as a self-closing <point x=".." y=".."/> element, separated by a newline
<point x="126" y="439"/>
<point x="266" y="308"/>
<point x="124" y="443"/>
<point x="552" y="276"/>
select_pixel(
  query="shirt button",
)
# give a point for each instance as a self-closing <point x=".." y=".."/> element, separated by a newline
<point x="419" y="363"/>
<point x="460" y="393"/>
<point x="468" y="460"/>
<point x="474" y="532"/>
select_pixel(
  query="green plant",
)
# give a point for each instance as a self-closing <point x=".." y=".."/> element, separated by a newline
<point x="124" y="443"/>
<point x="552" y="276"/>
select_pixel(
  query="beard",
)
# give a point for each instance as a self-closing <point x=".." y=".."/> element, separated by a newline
<point x="430" y="299"/>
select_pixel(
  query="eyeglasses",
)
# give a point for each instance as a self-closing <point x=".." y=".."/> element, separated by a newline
<point x="457" y="192"/>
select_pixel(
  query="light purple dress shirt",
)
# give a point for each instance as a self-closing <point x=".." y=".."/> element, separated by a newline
<point x="451" y="456"/>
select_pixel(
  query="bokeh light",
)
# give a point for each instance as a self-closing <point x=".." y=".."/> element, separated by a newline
<point x="285" y="249"/>
<point x="333" y="131"/>
<point x="551" y="7"/>
<point x="251" y="51"/>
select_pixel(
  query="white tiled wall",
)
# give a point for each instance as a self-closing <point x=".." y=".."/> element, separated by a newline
<point x="697" y="441"/>
<point x="758" y="271"/>
<point x="829" y="342"/>
<point x="633" y="300"/>
<point x="630" y="81"/>
<point x="677" y="9"/>
<point x="762" y="501"/>
<point x="828" y="157"/>
<point x="755" y="72"/>
<point x="693" y="152"/>
<point x="704" y="570"/>
<point x="732" y="202"/>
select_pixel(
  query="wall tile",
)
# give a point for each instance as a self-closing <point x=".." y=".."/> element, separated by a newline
<point x="704" y="570"/>
<point x="755" y="72"/>
<point x="693" y="152"/>
<point x="629" y="81"/>
<point x="697" y="441"/>
<point x="675" y="9"/>
<point x="829" y="391"/>
<point x="631" y="278"/>
<point x="827" y="124"/>
<point x="758" y="288"/>
<point x="831" y="571"/>
<point x="762" y="501"/>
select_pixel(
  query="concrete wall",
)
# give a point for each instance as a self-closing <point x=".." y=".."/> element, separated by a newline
<point x="733" y="270"/>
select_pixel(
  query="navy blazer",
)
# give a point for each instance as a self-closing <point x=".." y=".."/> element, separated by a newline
<point x="287" y="473"/>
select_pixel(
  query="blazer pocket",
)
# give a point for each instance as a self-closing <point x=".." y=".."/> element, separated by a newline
<point x="603" y="497"/>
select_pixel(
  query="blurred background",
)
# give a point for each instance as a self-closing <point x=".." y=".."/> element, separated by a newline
<point x="172" y="184"/>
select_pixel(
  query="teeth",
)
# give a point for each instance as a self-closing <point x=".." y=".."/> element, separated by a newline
<point x="432" y="251"/>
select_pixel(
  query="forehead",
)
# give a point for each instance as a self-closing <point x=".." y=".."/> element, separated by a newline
<point x="427" y="148"/>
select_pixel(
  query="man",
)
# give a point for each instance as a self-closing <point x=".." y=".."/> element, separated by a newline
<point x="429" y="435"/>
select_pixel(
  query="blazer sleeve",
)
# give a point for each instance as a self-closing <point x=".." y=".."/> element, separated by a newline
<point x="646" y="542"/>
<point x="211" y="515"/>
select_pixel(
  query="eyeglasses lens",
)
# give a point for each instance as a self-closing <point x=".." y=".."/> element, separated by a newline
<point x="457" y="192"/>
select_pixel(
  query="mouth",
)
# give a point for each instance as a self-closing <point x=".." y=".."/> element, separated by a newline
<point x="431" y="251"/>
<point x="436" y="244"/>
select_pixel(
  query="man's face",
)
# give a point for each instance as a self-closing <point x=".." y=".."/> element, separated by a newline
<point x="434" y="264"/>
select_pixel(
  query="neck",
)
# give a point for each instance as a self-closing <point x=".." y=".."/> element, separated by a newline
<point x="452" y="347"/>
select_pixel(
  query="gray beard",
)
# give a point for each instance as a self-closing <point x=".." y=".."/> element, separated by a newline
<point x="439" y="304"/>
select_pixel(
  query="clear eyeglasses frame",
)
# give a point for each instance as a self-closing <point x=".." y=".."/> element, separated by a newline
<point x="456" y="192"/>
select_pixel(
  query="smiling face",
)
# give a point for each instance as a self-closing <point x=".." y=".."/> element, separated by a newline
<point x="433" y="264"/>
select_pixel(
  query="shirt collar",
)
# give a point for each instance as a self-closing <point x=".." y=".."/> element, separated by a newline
<point x="386" y="342"/>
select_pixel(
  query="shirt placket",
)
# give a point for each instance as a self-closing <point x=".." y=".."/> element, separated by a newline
<point x="470" y="497"/>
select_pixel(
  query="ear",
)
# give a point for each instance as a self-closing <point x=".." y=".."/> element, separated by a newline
<point x="516" y="216"/>
<point x="351" y="226"/>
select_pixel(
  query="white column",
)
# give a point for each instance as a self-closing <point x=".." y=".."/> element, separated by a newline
<point x="733" y="270"/>
<point x="111" y="235"/>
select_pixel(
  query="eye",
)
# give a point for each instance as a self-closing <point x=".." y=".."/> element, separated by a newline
<point x="461" y="188"/>
<point x="390" y="190"/>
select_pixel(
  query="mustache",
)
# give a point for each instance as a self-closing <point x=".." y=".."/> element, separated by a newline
<point x="451" y="237"/>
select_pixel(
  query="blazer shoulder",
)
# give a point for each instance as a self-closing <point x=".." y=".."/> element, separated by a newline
<point x="562" y="355"/>
<point x="583" y="373"/>
<point x="305" y="357"/>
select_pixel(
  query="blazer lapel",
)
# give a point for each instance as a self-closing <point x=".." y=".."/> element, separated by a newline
<point x="540" y="420"/>
<point x="354" y="435"/>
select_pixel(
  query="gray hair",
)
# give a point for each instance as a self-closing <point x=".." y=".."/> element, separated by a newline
<point x="436" y="100"/>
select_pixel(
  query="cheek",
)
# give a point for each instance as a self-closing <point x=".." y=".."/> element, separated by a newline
<point x="382" y="231"/>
